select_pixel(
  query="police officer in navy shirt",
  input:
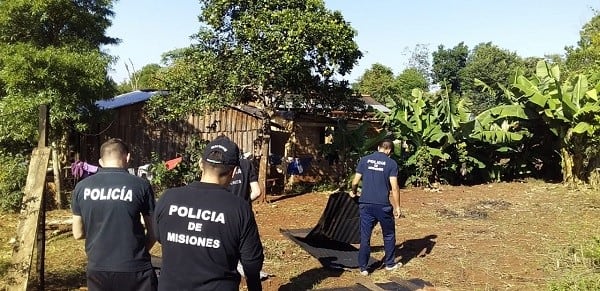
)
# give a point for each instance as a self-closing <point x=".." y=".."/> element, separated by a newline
<point x="106" y="212"/>
<point x="379" y="175"/>
<point x="204" y="230"/>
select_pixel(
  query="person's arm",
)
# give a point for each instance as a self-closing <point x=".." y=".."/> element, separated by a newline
<point x="254" y="190"/>
<point x="78" y="228"/>
<point x="150" y="238"/>
<point x="253" y="179"/>
<point x="251" y="253"/>
<point x="395" y="196"/>
<point x="355" y="183"/>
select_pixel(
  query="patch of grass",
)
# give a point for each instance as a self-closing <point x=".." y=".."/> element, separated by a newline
<point x="581" y="268"/>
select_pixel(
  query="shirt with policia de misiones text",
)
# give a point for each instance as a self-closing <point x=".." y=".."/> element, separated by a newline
<point x="204" y="231"/>
<point x="376" y="170"/>
<point x="110" y="203"/>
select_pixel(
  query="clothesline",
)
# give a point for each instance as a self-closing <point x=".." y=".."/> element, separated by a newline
<point x="81" y="169"/>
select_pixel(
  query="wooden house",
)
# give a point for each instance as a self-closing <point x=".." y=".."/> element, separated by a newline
<point x="295" y="136"/>
<point x="127" y="120"/>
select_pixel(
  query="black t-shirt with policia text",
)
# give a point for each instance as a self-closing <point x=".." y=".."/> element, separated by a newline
<point x="204" y="231"/>
<point x="110" y="203"/>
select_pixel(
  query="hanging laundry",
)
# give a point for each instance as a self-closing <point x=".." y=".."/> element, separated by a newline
<point x="299" y="166"/>
<point x="80" y="169"/>
<point x="144" y="172"/>
<point x="89" y="169"/>
<point x="171" y="164"/>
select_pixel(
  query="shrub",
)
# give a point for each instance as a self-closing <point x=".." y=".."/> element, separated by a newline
<point x="13" y="175"/>
<point x="185" y="172"/>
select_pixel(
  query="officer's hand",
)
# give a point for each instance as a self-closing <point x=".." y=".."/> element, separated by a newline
<point x="397" y="213"/>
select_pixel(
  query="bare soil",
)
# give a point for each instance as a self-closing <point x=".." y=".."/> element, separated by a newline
<point x="507" y="236"/>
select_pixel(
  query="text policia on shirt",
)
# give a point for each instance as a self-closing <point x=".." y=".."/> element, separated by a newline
<point x="198" y="214"/>
<point x="375" y="165"/>
<point x="123" y="194"/>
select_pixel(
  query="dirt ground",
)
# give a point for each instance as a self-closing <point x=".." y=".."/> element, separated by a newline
<point x="507" y="236"/>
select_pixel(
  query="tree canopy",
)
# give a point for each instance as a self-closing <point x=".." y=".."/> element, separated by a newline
<point x="145" y="78"/>
<point x="277" y="53"/>
<point x="50" y="54"/>
<point x="585" y="57"/>
<point x="491" y="65"/>
<point x="448" y="64"/>
<point x="376" y="81"/>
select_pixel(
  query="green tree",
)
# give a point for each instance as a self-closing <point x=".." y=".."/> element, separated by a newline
<point x="377" y="82"/>
<point x="419" y="60"/>
<point x="276" y="53"/>
<point x="146" y="78"/>
<point x="408" y="80"/>
<point x="50" y="54"/>
<point x="448" y="64"/>
<point x="79" y="24"/>
<point x="585" y="57"/>
<point x="493" y="66"/>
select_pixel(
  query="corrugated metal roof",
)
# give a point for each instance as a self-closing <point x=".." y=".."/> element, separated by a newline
<point x="371" y="102"/>
<point x="127" y="99"/>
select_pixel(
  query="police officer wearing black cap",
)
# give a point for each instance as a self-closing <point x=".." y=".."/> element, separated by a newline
<point x="204" y="230"/>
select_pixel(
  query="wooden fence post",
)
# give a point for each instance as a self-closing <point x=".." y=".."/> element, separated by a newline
<point x="31" y="224"/>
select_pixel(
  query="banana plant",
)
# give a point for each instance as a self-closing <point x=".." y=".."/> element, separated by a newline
<point x="348" y="145"/>
<point x="428" y="127"/>
<point x="571" y="111"/>
<point x="498" y="125"/>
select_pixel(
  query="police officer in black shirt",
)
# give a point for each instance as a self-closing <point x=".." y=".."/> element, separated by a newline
<point x="106" y="212"/>
<point x="245" y="181"/>
<point x="204" y="230"/>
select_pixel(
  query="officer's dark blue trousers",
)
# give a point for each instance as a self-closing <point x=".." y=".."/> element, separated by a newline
<point x="370" y="214"/>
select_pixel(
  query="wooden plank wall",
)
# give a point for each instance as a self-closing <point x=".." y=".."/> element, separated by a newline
<point x="169" y="140"/>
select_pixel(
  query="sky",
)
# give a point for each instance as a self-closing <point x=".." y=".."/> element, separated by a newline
<point x="386" y="29"/>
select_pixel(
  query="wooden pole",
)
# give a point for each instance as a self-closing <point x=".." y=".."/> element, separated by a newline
<point x="30" y="224"/>
<point x="41" y="229"/>
<point x="57" y="176"/>
<point x="43" y="126"/>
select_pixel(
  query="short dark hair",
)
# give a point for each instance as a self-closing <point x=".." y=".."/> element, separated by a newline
<point x="387" y="144"/>
<point x="114" y="147"/>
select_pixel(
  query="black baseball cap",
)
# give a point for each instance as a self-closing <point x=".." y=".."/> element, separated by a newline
<point x="230" y="153"/>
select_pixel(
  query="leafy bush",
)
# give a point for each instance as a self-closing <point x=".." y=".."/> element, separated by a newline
<point x="185" y="172"/>
<point x="422" y="166"/>
<point x="13" y="175"/>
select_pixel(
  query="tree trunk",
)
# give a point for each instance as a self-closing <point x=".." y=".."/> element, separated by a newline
<point x="594" y="172"/>
<point x="263" y="165"/>
<point x="567" y="165"/>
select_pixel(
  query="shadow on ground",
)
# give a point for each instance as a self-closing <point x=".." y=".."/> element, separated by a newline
<point x="307" y="280"/>
<point x="412" y="248"/>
